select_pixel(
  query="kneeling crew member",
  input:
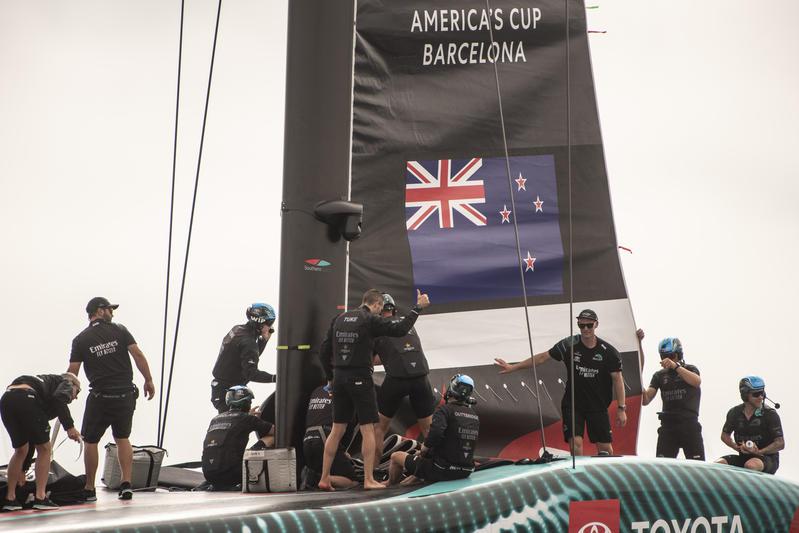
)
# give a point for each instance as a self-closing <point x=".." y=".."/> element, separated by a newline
<point x="227" y="436"/>
<point x="237" y="362"/>
<point x="753" y="430"/>
<point x="679" y="385"/>
<point x="448" y="450"/>
<point x="27" y="407"/>
<point x="406" y="375"/>
<point x="318" y="424"/>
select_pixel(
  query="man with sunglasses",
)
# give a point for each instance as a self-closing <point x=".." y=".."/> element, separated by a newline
<point x="237" y="363"/>
<point x="597" y="375"/>
<point x="753" y="430"/>
<point x="678" y="383"/>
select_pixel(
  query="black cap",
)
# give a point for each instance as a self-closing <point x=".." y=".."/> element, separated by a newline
<point x="97" y="302"/>
<point x="589" y="314"/>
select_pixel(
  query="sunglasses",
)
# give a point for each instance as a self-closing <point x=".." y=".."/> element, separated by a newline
<point x="758" y="394"/>
<point x="586" y="326"/>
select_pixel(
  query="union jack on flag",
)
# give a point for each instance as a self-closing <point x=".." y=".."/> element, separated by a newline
<point x="451" y="189"/>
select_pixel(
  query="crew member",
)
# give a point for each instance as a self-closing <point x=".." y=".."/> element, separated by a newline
<point x="597" y="373"/>
<point x="406" y="375"/>
<point x="105" y="348"/>
<point x="753" y="430"/>
<point x="237" y="362"/>
<point x="226" y="439"/>
<point x="347" y="348"/>
<point x="448" y="450"/>
<point x="27" y="407"/>
<point x="679" y="385"/>
<point x="318" y="425"/>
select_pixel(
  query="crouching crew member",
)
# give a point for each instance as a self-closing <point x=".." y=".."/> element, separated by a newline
<point x="237" y="362"/>
<point x="448" y="450"/>
<point x="318" y="424"/>
<point x="27" y="407"/>
<point x="679" y="385"/>
<point x="226" y="439"/>
<point x="753" y="430"/>
<point x="406" y="375"/>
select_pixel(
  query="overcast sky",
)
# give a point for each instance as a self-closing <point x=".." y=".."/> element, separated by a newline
<point x="699" y="115"/>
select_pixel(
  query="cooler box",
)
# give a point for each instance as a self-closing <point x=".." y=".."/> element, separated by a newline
<point x="146" y="467"/>
<point x="269" y="471"/>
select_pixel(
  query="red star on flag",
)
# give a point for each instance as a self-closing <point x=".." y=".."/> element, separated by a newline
<point x="539" y="205"/>
<point x="529" y="262"/>
<point x="520" y="181"/>
<point x="505" y="214"/>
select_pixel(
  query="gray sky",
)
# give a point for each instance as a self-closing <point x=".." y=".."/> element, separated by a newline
<point x="698" y="110"/>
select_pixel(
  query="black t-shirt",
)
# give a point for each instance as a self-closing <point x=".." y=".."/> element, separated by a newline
<point x="453" y="435"/>
<point x="402" y="357"/>
<point x="237" y="362"/>
<point x="103" y="349"/>
<point x="320" y="414"/>
<point x="680" y="400"/>
<point x="592" y="369"/>
<point x="226" y="439"/>
<point x="762" y="428"/>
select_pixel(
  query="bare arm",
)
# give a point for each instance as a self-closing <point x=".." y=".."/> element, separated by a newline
<point x="618" y="389"/>
<point x="648" y="395"/>
<point x="726" y="438"/>
<point x="691" y="378"/>
<point x="774" y="447"/>
<point x="640" y="334"/>
<point x="507" y="368"/>
<point x="144" y="368"/>
<point x="74" y="368"/>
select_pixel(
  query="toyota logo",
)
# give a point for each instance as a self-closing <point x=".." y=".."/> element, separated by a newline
<point x="594" y="527"/>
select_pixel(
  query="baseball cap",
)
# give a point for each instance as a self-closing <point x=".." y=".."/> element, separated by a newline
<point x="97" y="302"/>
<point x="588" y="314"/>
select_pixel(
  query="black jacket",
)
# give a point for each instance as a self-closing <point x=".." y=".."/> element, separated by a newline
<point x="453" y="436"/>
<point x="53" y="393"/>
<point x="237" y="362"/>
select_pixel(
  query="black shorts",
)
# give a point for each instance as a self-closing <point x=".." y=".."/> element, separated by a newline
<point x="354" y="395"/>
<point x="418" y="391"/>
<point x="218" y="393"/>
<point x="770" y="462"/>
<point x="224" y="479"/>
<point x="428" y="470"/>
<point x="109" y="408"/>
<point x="313" y="450"/>
<point x="597" y="422"/>
<point x="685" y="434"/>
<point x="24" y="418"/>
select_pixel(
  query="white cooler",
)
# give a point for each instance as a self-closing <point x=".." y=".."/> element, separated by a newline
<point x="269" y="470"/>
<point x="146" y="467"/>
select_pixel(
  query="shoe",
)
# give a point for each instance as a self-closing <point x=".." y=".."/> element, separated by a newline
<point x="90" y="495"/>
<point x="44" y="505"/>
<point x="11" y="505"/>
<point x="125" y="491"/>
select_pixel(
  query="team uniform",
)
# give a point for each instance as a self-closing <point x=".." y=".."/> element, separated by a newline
<point x="679" y="420"/>
<point x="762" y="428"/>
<point x="103" y="349"/>
<point x="406" y="375"/>
<point x="451" y="441"/>
<point x="27" y="413"/>
<point x="346" y="356"/>
<point x="318" y="424"/>
<point x="224" y="444"/>
<point x="594" y="386"/>
<point x="237" y="362"/>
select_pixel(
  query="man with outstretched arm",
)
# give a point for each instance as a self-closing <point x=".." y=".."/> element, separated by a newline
<point x="597" y="375"/>
<point x="105" y="349"/>
<point x="346" y="356"/>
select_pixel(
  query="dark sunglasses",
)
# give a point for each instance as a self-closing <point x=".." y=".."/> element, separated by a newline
<point x="758" y="394"/>
<point x="586" y="326"/>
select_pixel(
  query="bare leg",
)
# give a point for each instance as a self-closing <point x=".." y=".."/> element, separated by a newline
<point x="90" y="461"/>
<point x="331" y="446"/>
<point x="605" y="447"/>
<point x="15" y="471"/>
<point x="424" y="427"/>
<point x="576" y="444"/>
<point x="125" y="456"/>
<point x="381" y="428"/>
<point x="368" y="449"/>
<point x="43" y="454"/>
<point x="341" y="482"/>
<point x="396" y="467"/>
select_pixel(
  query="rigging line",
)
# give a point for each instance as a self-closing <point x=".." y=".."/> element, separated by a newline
<point x="171" y="218"/>
<point x="191" y="222"/>
<point x="516" y="234"/>
<point x="571" y="227"/>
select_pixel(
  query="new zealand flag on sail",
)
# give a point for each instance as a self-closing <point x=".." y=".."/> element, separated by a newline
<point x="459" y="219"/>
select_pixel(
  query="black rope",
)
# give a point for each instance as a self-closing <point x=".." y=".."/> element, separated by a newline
<point x="191" y="223"/>
<point x="171" y="217"/>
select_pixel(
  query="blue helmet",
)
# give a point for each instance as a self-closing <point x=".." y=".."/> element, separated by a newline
<point x="460" y="387"/>
<point x="261" y="314"/>
<point x="239" y="397"/>
<point x="751" y="384"/>
<point x="670" y="346"/>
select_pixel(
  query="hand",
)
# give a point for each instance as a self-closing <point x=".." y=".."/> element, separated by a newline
<point x="752" y="450"/>
<point x="668" y="363"/>
<point x="73" y="434"/>
<point x="422" y="300"/>
<point x="640" y="334"/>
<point x="255" y="411"/>
<point x="621" y="418"/>
<point x="266" y="332"/>
<point x="149" y="389"/>
<point x="507" y="368"/>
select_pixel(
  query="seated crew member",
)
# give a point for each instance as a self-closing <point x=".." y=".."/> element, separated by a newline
<point x="237" y="362"/>
<point x="226" y="439"/>
<point x="406" y="375"/>
<point x="448" y="450"/>
<point x="597" y="374"/>
<point x="679" y="385"/>
<point x="346" y="356"/>
<point x="753" y="430"/>
<point x="318" y="424"/>
<point x="27" y="407"/>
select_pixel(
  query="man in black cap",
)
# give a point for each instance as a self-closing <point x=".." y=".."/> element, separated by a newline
<point x="105" y="348"/>
<point x="597" y="374"/>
